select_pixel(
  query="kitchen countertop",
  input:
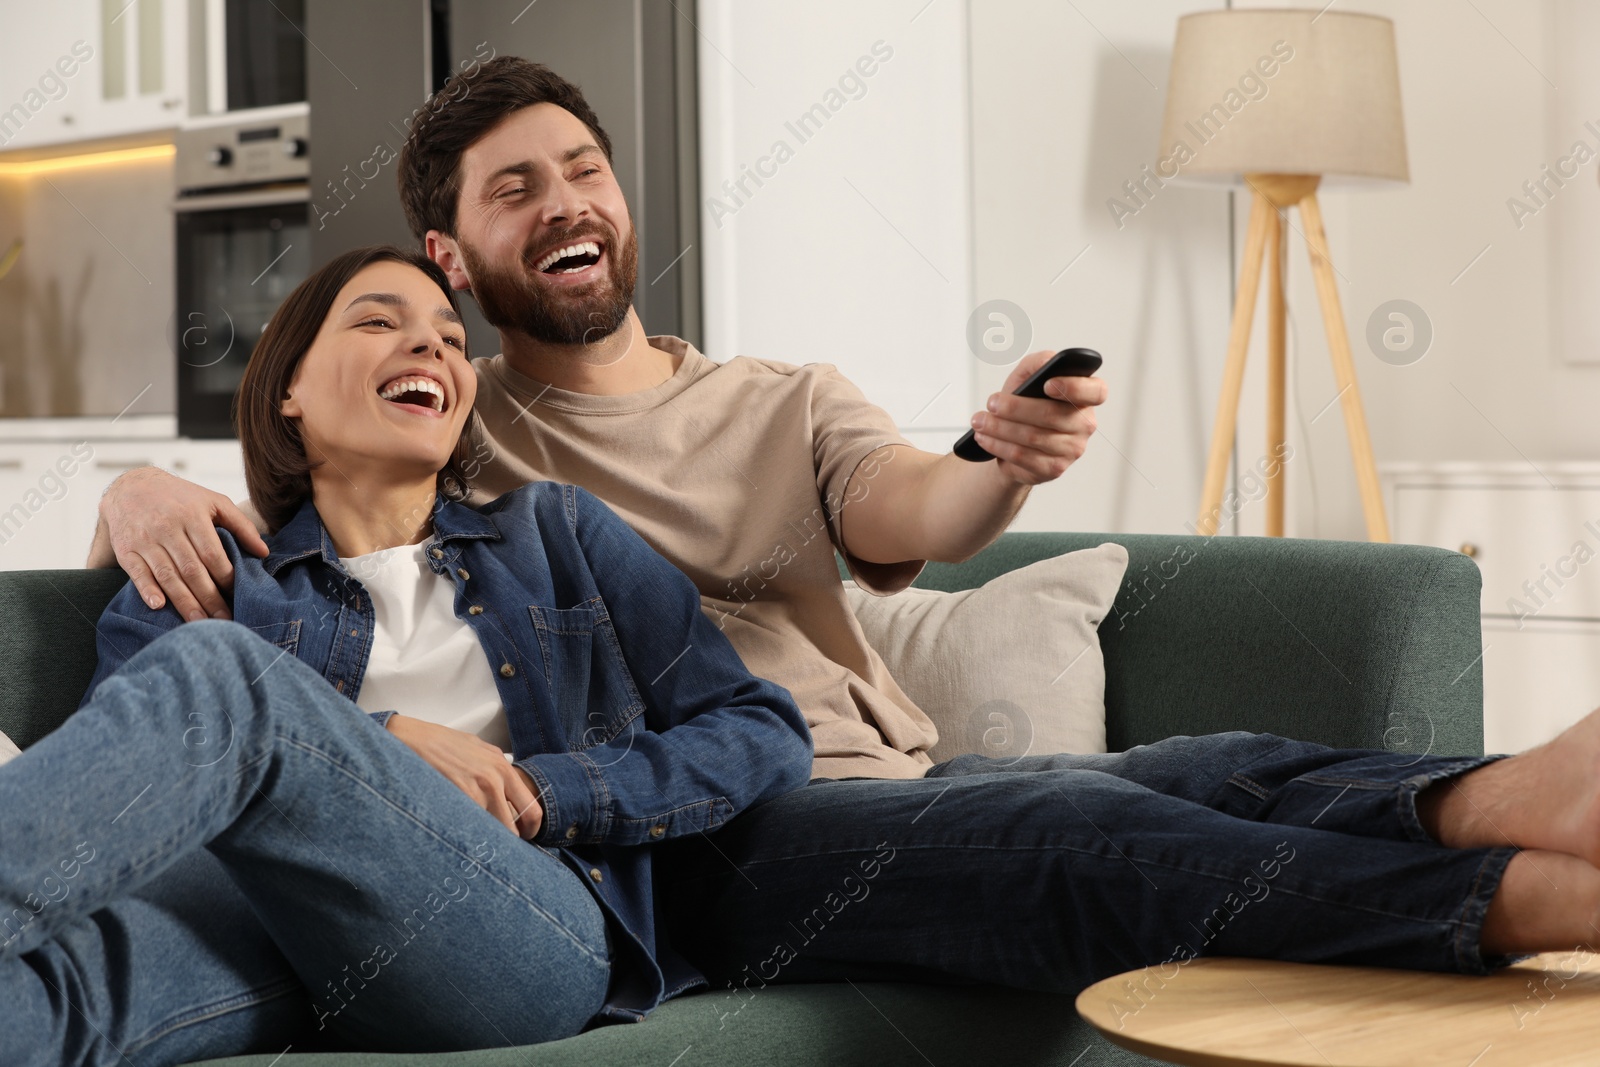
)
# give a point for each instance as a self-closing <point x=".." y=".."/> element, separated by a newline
<point x="102" y="428"/>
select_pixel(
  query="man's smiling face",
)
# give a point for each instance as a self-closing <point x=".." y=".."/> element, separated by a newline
<point x="546" y="238"/>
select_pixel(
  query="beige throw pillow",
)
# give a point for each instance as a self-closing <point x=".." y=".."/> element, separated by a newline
<point x="1011" y="668"/>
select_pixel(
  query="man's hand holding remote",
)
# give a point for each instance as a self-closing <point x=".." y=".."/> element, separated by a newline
<point x="1035" y="440"/>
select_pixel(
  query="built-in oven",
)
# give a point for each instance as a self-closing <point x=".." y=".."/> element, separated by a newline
<point x="242" y="245"/>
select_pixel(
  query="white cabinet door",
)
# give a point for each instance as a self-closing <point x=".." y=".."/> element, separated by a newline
<point x="107" y="460"/>
<point x="1537" y="545"/>
<point x="50" y="491"/>
<point x="1537" y="680"/>
<point x="217" y="465"/>
<point x="73" y="70"/>
<point x="1533" y="543"/>
<point x="49" y="72"/>
<point x="143" y="65"/>
<point x="37" y="487"/>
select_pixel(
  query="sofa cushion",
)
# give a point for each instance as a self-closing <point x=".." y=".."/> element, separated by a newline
<point x="839" y="1024"/>
<point x="1010" y="668"/>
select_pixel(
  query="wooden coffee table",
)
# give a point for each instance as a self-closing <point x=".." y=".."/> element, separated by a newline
<point x="1212" y="1012"/>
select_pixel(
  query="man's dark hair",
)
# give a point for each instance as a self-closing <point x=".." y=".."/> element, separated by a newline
<point x="469" y="105"/>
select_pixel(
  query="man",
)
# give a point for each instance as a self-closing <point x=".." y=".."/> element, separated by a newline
<point x="1048" y="872"/>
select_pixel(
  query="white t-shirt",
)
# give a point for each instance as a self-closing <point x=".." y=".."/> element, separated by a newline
<point x="425" y="662"/>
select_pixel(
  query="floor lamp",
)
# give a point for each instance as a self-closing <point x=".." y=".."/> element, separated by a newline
<point x="1283" y="102"/>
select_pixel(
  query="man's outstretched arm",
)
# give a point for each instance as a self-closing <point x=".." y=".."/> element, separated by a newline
<point x="924" y="506"/>
<point x="160" y="529"/>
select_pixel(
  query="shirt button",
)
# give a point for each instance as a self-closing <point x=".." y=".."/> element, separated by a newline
<point x="476" y="609"/>
<point x="507" y="670"/>
<point x="572" y="832"/>
<point x="462" y="571"/>
<point x="657" y="831"/>
<point x="436" y="553"/>
<point x="594" y="872"/>
<point x="355" y="633"/>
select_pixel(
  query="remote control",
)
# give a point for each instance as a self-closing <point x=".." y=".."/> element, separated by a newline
<point x="1067" y="363"/>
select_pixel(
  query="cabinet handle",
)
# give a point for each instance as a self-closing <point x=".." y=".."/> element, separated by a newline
<point x="10" y="464"/>
<point x="121" y="464"/>
<point x="1469" y="550"/>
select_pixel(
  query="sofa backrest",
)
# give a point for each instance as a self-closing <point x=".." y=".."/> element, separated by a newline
<point x="47" y="647"/>
<point x="1345" y="643"/>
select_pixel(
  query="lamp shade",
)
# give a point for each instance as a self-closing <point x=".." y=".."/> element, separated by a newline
<point x="1284" y="92"/>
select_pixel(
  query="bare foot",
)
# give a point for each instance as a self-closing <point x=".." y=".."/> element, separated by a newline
<point x="1545" y="798"/>
<point x="1547" y="902"/>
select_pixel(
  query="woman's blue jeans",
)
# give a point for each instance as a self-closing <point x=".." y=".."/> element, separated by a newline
<point x="1052" y="872"/>
<point x="220" y="854"/>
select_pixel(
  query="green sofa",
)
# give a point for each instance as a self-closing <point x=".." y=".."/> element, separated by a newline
<point x="1348" y="644"/>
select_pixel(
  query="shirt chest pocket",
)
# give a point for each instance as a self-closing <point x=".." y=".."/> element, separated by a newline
<point x="589" y="683"/>
<point x="286" y="635"/>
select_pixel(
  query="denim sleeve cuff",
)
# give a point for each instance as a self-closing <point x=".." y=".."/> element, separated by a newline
<point x="574" y="796"/>
<point x="382" y="717"/>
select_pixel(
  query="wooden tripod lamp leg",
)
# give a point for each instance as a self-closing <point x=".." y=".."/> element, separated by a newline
<point x="1275" y="376"/>
<point x="1244" y="310"/>
<point x="1355" y="420"/>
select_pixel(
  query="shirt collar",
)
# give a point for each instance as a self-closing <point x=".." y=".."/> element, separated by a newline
<point x="304" y="535"/>
<point x="524" y="390"/>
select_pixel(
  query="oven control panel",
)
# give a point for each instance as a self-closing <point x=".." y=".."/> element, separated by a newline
<point x="247" y="152"/>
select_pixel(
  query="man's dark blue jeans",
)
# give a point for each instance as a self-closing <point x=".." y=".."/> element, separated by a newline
<point x="1052" y="872"/>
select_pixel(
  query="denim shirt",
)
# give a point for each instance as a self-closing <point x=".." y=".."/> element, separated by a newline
<point x="599" y="648"/>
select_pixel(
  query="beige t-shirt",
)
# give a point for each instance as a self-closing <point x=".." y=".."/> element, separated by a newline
<point x="739" y="473"/>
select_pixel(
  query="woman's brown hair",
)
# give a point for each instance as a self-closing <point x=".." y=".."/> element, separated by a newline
<point x="276" y="469"/>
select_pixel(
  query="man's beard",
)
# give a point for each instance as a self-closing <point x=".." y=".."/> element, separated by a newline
<point x="511" y="301"/>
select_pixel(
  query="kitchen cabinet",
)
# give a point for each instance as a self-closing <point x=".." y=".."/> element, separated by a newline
<point x="50" y="490"/>
<point x="1534" y="531"/>
<point x="143" y="70"/>
<point x="33" y="505"/>
<point x="76" y="70"/>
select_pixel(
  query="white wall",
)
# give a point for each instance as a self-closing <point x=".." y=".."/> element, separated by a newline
<point x="1491" y="93"/>
<point x="1067" y="102"/>
<point x="88" y="306"/>
<point x="1487" y="103"/>
<point x="855" y="249"/>
<point x="989" y="143"/>
<point x="1063" y="104"/>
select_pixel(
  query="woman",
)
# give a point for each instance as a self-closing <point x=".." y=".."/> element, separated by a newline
<point x="285" y="867"/>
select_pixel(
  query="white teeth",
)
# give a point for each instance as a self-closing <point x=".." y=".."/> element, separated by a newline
<point x="571" y="250"/>
<point x="418" y="385"/>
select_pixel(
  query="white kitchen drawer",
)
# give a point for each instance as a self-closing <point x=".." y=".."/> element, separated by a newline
<point x="1537" y="680"/>
<point x="39" y="484"/>
<point x="216" y="465"/>
<point x="47" y="517"/>
<point x="1538" y="546"/>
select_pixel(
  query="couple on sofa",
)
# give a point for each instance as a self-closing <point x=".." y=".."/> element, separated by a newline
<point x="653" y="682"/>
